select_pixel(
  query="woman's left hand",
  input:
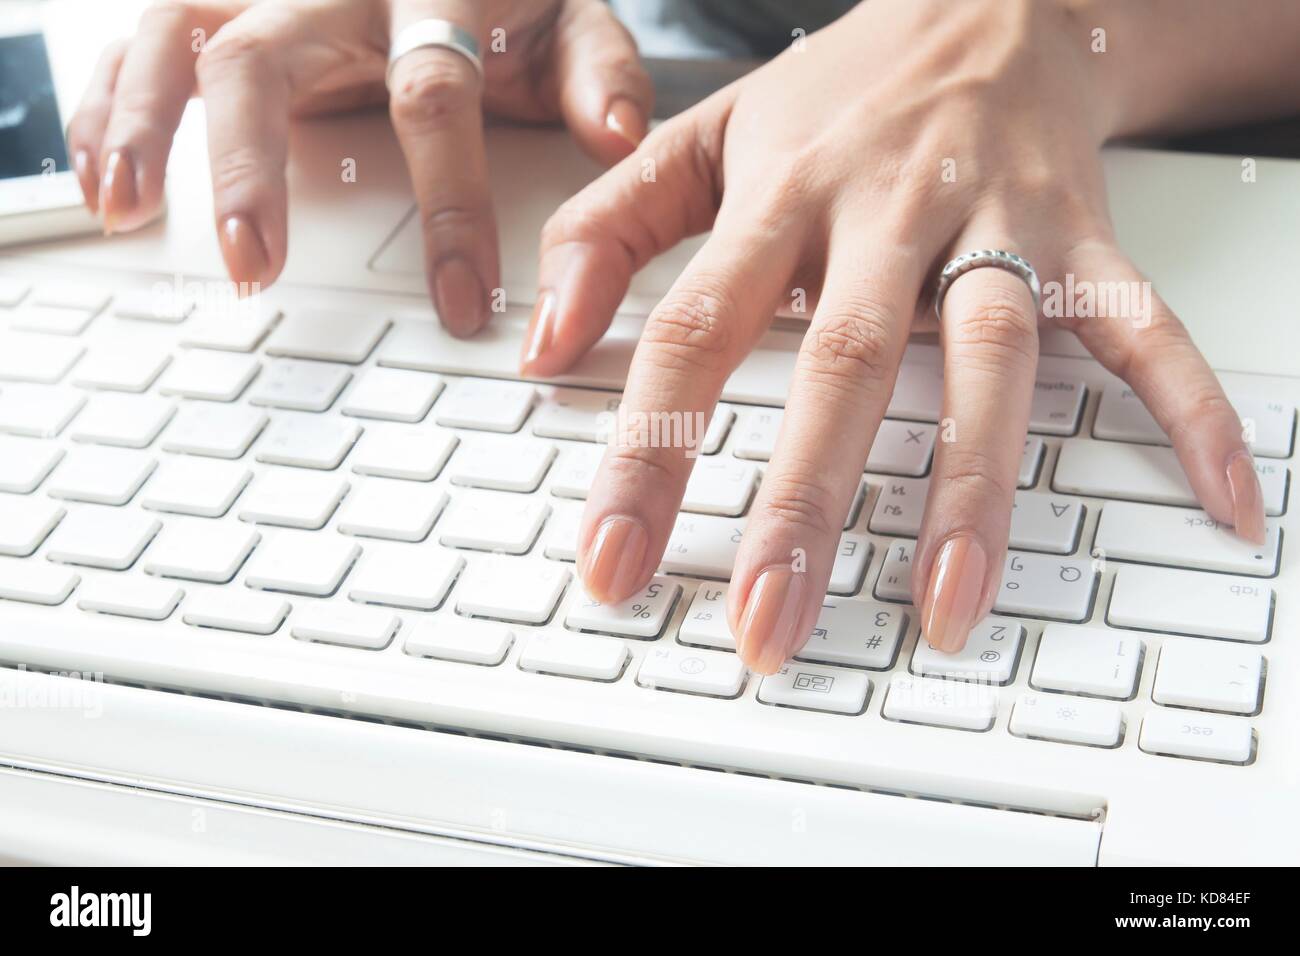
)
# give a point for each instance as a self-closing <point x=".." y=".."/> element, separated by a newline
<point x="906" y="133"/>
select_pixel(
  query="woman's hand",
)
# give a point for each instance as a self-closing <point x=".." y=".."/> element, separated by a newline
<point x="904" y="134"/>
<point x="255" y="64"/>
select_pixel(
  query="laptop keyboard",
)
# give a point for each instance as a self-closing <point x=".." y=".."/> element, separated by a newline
<point x="172" y="480"/>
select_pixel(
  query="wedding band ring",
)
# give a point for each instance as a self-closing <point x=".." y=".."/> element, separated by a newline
<point x="434" y="33"/>
<point x="988" y="258"/>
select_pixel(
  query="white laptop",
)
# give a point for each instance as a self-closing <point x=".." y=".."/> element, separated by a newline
<point x="297" y="585"/>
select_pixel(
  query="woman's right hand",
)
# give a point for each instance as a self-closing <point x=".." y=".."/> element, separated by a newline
<point x="258" y="63"/>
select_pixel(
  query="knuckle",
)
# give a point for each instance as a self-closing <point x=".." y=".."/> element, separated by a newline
<point x="999" y="322"/>
<point x="229" y="49"/>
<point x="632" y="465"/>
<point x="854" y="340"/>
<point x="691" y="325"/>
<point x="972" y="476"/>
<point x="236" y="168"/>
<point x="453" y="217"/>
<point x="1205" y="407"/>
<point x="432" y="92"/>
<point x="800" y="501"/>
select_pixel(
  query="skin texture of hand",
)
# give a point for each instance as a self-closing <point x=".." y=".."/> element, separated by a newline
<point x="904" y="134"/>
<point x="258" y="63"/>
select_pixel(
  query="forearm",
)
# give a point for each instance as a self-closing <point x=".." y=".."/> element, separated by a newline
<point x="1180" y="64"/>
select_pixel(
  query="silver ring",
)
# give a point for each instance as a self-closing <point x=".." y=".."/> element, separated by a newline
<point x="995" y="258"/>
<point x="439" y="33"/>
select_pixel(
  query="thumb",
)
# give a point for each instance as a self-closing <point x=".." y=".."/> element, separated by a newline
<point x="605" y="95"/>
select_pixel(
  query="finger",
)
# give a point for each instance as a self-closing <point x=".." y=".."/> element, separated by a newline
<point x="1151" y="350"/>
<point x="436" y="107"/>
<point x="691" y="343"/>
<point x="989" y="333"/>
<point x="154" y="83"/>
<point x="244" y="80"/>
<point x="593" y="244"/>
<point x="605" y="94"/>
<point x="843" y="378"/>
<point x="86" y="128"/>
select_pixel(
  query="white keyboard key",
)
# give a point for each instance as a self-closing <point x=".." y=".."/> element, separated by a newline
<point x="301" y="563"/>
<point x="229" y="610"/>
<point x="493" y="521"/>
<point x="575" y="470"/>
<point x="756" y="433"/>
<point x="1190" y="602"/>
<point x="485" y="404"/>
<point x="1036" y="585"/>
<point x="399" y="575"/>
<point x="511" y="589"/>
<point x="162" y="303"/>
<point x="52" y="319"/>
<point x="562" y="531"/>
<point x="398" y="451"/>
<point x="388" y="508"/>
<point x="894" y="582"/>
<point x="197" y="549"/>
<point x="705" y="623"/>
<point x="12" y="291"/>
<point x="293" y="499"/>
<point x="1031" y="459"/>
<point x="855" y="507"/>
<point x="1071" y="720"/>
<point x="121" y="369"/>
<point x="504" y="464"/>
<point x="449" y="638"/>
<point x="308" y="441"/>
<point x="1208" y="675"/>
<point x="577" y="414"/>
<point x="990" y="654"/>
<point x="1183" y="538"/>
<point x="1105" y="469"/>
<point x="1268" y="425"/>
<point x="394" y="394"/>
<point x="851" y="560"/>
<point x="573" y="655"/>
<point x="642" y="615"/>
<point x="918" y="391"/>
<point x="327" y="336"/>
<point x="214" y="431"/>
<point x="239" y="326"/>
<point x="110" y="538"/>
<point x="1087" y="660"/>
<point x="126" y="596"/>
<point x="1045" y="522"/>
<point x="207" y="374"/>
<point x="715" y="433"/>
<point x="35" y="582"/>
<point x="366" y="628"/>
<point x="703" y="546"/>
<point x="38" y="411"/>
<point x="30" y="357"/>
<point x="130" y="421"/>
<point x="1178" y="733"/>
<point x="692" y="671"/>
<point x="902" y="448"/>
<point x="857" y="633"/>
<point x="900" y="506"/>
<point x="195" y="487"/>
<point x="25" y="523"/>
<point x="106" y="476"/>
<point x="25" y="463"/>
<point x="816" y="687"/>
<point x="299" y="385"/>
<point x="941" y="703"/>
<point x="71" y="295"/>
<point x="720" y="486"/>
<point x="1056" y="406"/>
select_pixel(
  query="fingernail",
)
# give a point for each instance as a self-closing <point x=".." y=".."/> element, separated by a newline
<point x="540" y="330"/>
<point x="768" y="626"/>
<point x="614" y="561"/>
<point x="117" y="196"/>
<point x="242" y="248"/>
<point x="625" y="118"/>
<point x="459" y="297"/>
<point x="1247" y="498"/>
<point x="953" y="598"/>
<point x="86" y="179"/>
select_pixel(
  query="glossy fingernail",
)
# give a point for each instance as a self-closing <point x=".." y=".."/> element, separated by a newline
<point x="540" y="330"/>
<point x="953" y="598"/>
<point x="242" y="248"/>
<point x="613" y="565"/>
<point x="768" y="632"/>
<point x="117" y="195"/>
<point x="459" y="297"/>
<point x="625" y="118"/>
<point x="1247" y="497"/>
<point x="86" y="179"/>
